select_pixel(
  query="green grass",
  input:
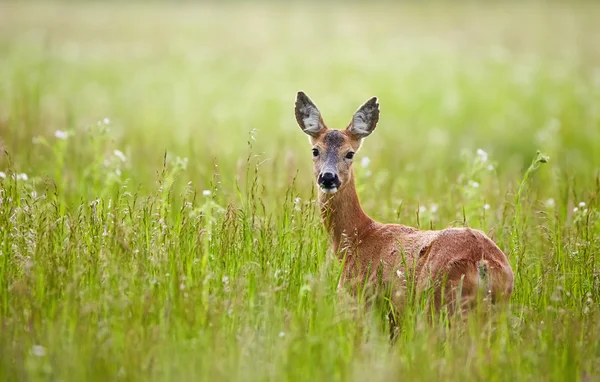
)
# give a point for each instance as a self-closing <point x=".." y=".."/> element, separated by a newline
<point x="140" y="264"/>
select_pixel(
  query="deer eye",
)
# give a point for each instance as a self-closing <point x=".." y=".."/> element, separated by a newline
<point x="350" y="155"/>
<point x="315" y="152"/>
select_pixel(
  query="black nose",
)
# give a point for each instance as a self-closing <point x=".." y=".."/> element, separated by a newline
<point x="329" y="180"/>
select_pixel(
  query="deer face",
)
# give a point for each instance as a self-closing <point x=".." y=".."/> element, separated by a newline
<point x="333" y="150"/>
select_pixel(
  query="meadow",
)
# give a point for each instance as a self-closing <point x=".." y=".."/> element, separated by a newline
<point x="157" y="203"/>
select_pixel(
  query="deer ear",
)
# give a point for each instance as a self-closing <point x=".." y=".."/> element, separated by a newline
<point x="365" y="119"/>
<point x="308" y="115"/>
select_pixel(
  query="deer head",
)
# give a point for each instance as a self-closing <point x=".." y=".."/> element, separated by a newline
<point x="333" y="150"/>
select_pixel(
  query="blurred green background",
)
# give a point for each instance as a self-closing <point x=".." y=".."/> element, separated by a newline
<point x="196" y="79"/>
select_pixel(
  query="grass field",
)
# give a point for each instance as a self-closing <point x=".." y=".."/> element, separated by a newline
<point x="157" y="206"/>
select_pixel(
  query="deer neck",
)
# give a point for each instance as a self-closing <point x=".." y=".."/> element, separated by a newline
<point x="343" y="216"/>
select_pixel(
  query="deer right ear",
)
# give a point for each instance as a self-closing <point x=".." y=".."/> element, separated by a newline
<point x="365" y="119"/>
<point x="308" y="115"/>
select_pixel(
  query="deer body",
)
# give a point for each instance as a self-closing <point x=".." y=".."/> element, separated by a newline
<point x="457" y="263"/>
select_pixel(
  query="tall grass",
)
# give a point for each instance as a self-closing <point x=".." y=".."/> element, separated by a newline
<point x="157" y="211"/>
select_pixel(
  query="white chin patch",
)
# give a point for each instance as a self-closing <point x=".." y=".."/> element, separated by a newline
<point x="332" y="190"/>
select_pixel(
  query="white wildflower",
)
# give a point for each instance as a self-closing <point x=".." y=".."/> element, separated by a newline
<point x="575" y="209"/>
<point x="297" y="204"/>
<point x="364" y="162"/>
<point x="118" y="172"/>
<point x="206" y="192"/>
<point x="106" y="121"/>
<point x="473" y="184"/>
<point x="585" y="211"/>
<point x="225" y="280"/>
<point x="482" y="155"/>
<point x="2" y="174"/>
<point x="38" y="351"/>
<point x="581" y="204"/>
<point x="433" y="208"/>
<point x="490" y="167"/>
<point x="486" y="206"/>
<point x="22" y="176"/>
<point x="60" y="134"/>
<point x="119" y="154"/>
<point x="422" y="209"/>
<point x="281" y="334"/>
<point x="550" y="202"/>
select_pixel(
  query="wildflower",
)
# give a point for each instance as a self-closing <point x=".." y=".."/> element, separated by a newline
<point x="422" y="209"/>
<point x="118" y="172"/>
<point x="433" y="208"/>
<point x="581" y="204"/>
<point x="281" y="334"/>
<point x="575" y="209"/>
<point x="60" y="134"/>
<point x="22" y="176"/>
<point x="2" y="174"/>
<point x="106" y="121"/>
<point x="225" y="280"/>
<point x="181" y="163"/>
<point x="119" y="154"/>
<point x="364" y="162"/>
<point x="206" y="192"/>
<point x="490" y="167"/>
<point x="482" y="155"/>
<point x="541" y="158"/>
<point x="486" y="206"/>
<point x="473" y="184"/>
<point x="550" y="202"/>
<point x="297" y="204"/>
<point x="38" y="351"/>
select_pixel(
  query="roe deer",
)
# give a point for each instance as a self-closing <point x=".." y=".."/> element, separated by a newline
<point x="458" y="263"/>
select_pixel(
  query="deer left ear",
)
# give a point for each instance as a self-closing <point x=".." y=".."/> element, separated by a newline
<point x="308" y="115"/>
<point x="365" y="119"/>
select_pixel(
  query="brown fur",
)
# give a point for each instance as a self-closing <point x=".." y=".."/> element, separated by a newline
<point x="458" y="263"/>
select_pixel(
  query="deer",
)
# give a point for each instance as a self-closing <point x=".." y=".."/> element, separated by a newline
<point x="454" y="264"/>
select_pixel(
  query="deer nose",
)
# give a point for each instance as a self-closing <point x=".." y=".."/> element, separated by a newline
<point x="329" y="180"/>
